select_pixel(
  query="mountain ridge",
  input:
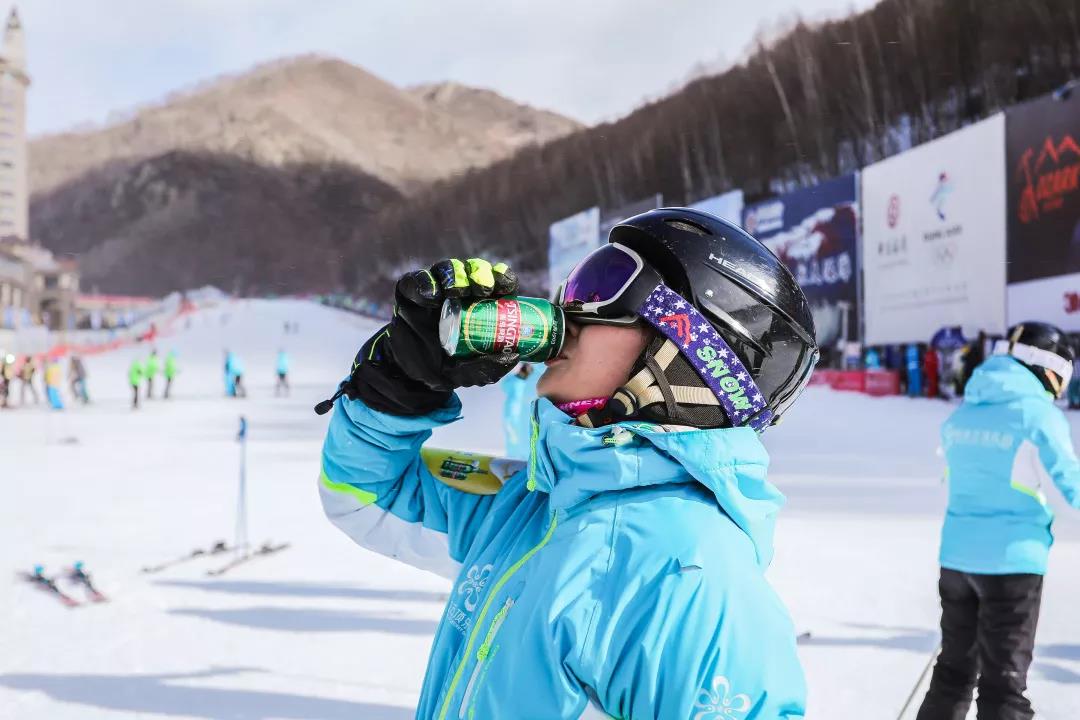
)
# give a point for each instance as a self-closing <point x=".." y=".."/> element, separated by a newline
<point x="310" y="108"/>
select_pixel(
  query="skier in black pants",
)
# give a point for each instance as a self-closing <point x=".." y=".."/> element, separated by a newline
<point x="996" y="537"/>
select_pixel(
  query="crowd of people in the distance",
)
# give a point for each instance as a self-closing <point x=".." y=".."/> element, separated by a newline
<point x="18" y="380"/>
<point x="942" y="367"/>
<point x="148" y="377"/>
<point x="146" y="371"/>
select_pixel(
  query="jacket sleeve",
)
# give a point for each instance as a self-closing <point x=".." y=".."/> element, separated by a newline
<point x="1054" y="442"/>
<point x="683" y="651"/>
<point x="376" y="487"/>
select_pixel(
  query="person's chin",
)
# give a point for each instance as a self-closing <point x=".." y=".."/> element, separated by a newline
<point x="548" y="387"/>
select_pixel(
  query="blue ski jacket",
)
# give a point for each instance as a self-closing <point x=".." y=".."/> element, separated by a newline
<point x="619" y="573"/>
<point x="1002" y="444"/>
<point x="517" y="408"/>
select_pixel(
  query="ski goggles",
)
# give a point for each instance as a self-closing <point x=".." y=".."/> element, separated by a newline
<point x="608" y="287"/>
<point x="1037" y="356"/>
<point x="614" y="286"/>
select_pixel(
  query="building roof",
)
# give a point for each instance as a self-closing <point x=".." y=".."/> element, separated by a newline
<point x="90" y="301"/>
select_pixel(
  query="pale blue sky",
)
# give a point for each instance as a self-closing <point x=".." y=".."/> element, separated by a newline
<point x="590" y="59"/>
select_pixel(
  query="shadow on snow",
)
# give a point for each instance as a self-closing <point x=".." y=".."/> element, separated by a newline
<point x="157" y="694"/>
<point x="311" y="620"/>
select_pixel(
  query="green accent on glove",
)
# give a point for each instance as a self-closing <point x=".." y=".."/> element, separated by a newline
<point x="480" y="273"/>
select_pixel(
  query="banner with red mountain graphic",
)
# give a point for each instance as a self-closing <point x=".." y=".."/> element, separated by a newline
<point x="1042" y="140"/>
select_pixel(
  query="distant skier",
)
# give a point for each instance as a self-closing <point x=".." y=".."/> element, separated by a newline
<point x="1005" y="435"/>
<point x="931" y="366"/>
<point x="77" y="379"/>
<point x="972" y="358"/>
<point x="150" y="371"/>
<point x="53" y="380"/>
<point x="230" y="380"/>
<point x="135" y="378"/>
<point x="26" y="380"/>
<point x="7" y="377"/>
<point x="913" y="366"/>
<point x="282" y="385"/>
<point x="620" y="573"/>
<point x="236" y="370"/>
<point x="873" y="359"/>
<point x="170" y="372"/>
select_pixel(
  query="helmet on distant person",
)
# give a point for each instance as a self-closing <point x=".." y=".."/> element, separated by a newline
<point x="749" y="334"/>
<point x="1043" y="349"/>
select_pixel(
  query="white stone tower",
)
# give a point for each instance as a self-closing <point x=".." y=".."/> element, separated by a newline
<point x="14" y="181"/>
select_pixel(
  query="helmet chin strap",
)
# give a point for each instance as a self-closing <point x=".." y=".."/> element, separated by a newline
<point x="728" y="384"/>
<point x="1058" y="387"/>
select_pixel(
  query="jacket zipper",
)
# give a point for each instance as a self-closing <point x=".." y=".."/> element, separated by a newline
<point x="534" y="439"/>
<point x="484" y="610"/>
<point x="483" y="653"/>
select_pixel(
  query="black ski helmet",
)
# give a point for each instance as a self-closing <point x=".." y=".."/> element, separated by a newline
<point x="1045" y="337"/>
<point x="741" y="287"/>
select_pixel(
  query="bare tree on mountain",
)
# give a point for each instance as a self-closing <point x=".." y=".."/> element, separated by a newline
<point x="818" y="102"/>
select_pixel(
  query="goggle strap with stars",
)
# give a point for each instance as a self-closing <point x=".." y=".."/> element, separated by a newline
<point x="710" y="356"/>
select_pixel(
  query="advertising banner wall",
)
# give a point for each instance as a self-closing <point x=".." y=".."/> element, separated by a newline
<point x="933" y="246"/>
<point x="1042" y="151"/>
<point x="728" y="206"/>
<point x="569" y="240"/>
<point x="814" y="231"/>
<point x="1054" y="300"/>
<point x="610" y="217"/>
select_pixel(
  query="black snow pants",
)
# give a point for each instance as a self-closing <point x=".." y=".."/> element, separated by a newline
<point x="987" y="637"/>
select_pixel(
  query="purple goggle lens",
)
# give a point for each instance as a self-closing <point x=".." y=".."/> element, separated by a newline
<point x="600" y="278"/>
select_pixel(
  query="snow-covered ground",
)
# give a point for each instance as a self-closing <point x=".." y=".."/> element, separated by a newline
<point x="327" y="631"/>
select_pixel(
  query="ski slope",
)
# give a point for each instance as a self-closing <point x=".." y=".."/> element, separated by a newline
<point x="326" y="630"/>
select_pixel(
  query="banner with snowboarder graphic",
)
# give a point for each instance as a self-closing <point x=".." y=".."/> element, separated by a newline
<point x="814" y="231"/>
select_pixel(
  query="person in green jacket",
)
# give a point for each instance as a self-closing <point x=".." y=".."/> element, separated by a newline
<point x="170" y="371"/>
<point x="153" y="364"/>
<point x="135" y="377"/>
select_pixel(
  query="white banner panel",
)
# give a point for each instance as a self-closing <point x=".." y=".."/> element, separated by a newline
<point x="1055" y="300"/>
<point x="934" y="237"/>
<point x="728" y="206"/>
<point x="569" y="240"/>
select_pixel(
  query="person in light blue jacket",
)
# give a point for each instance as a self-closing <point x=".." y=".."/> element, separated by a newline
<point x="230" y="384"/>
<point x="1003" y="445"/>
<point x="281" y="387"/>
<point x="619" y="571"/>
<point x="520" y="390"/>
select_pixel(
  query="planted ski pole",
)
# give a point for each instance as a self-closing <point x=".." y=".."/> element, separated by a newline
<point x="243" y="546"/>
<point x="241" y="542"/>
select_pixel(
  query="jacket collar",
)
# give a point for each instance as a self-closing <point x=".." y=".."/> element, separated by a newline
<point x="573" y="464"/>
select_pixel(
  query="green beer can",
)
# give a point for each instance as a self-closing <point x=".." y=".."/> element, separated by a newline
<point x="531" y="327"/>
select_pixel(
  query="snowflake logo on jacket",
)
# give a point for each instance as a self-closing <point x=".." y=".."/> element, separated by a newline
<point x="717" y="702"/>
<point x="473" y="585"/>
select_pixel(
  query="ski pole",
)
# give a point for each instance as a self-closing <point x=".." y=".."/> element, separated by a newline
<point x="919" y="682"/>
<point x="241" y="500"/>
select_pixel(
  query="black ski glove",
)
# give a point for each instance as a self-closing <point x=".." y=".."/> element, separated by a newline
<point x="403" y="369"/>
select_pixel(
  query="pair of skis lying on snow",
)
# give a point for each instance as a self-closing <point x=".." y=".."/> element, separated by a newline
<point x="219" y="548"/>
<point x="76" y="574"/>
